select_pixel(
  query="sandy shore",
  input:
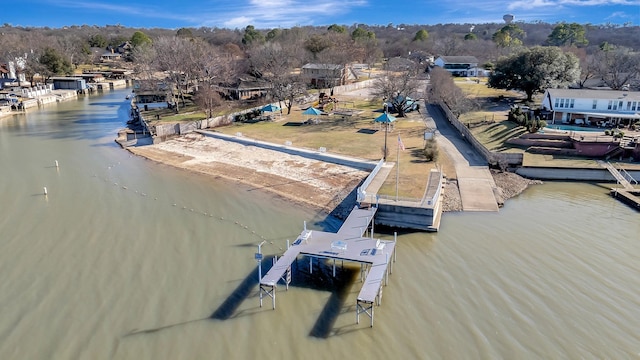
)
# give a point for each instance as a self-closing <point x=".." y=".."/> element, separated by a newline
<point x="310" y="182"/>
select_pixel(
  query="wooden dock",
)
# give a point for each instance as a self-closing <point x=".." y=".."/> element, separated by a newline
<point x="629" y="197"/>
<point x="375" y="257"/>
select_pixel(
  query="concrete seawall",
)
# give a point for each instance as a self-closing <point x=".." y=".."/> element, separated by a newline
<point x="310" y="154"/>
<point x="559" y="173"/>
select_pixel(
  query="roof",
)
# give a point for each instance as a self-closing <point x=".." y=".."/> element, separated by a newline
<point x="323" y="66"/>
<point x="459" y="59"/>
<point x="66" y="78"/>
<point x="595" y="94"/>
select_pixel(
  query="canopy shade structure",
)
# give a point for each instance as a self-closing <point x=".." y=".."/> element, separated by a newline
<point x="312" y="111"/>
<point x="270" y="108"/>
<point x="385" y="118"/>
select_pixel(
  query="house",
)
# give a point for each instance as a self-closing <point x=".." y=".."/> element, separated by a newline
<point x="328" y="75"/>
<point x="4" y="75"/>
<point x="246" y="89"/>
<point x="592" y="107"/>
<point x="153" y="99"/>
<point x="110" y="56"/>
<point x="92" y="77"/>
<point x="458" y="65"/>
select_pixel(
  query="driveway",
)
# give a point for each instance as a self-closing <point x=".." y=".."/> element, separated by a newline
<point x="475" y="181"/>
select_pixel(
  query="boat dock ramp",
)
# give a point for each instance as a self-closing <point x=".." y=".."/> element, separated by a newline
<point x="350" y="243"/>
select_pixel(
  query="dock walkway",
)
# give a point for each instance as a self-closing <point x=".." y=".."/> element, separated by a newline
<point x="348" y="244"/>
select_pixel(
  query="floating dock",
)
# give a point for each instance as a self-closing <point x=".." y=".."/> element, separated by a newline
<point x="629" y="197"/>
<point x="375" y="257"/>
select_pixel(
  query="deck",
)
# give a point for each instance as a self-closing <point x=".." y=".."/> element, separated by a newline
<point x="348" y="244"/>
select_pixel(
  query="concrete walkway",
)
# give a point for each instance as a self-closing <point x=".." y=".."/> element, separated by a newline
<point x="474" y="178"/>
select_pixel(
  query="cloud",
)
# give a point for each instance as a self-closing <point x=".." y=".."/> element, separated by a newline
<point x="555" y="4"/>
<point x="238" y="22"/>
<point x="618" y="15"/>
<point x="281" y="13"/>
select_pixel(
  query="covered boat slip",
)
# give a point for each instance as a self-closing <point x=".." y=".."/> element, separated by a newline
<point x="348" y="244"/>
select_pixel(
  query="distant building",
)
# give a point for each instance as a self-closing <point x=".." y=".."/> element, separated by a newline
<point x="4" y="75"/>
<point x="458" y="65"/>
<point x="69" y="83"/>
<point x="328" y="75"/>
<point x="246" y="89"/>
<point x="110" y="57"/>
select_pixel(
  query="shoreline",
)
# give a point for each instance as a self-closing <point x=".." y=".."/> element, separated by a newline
<point x="322" y="186"/>
<point x="312" y="183"/>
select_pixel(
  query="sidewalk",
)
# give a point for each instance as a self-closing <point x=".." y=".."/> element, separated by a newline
<point x="474" y="177"/>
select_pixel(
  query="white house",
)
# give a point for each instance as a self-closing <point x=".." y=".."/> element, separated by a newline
<point x="592" y="107"/>
<point x="458" y="65"/>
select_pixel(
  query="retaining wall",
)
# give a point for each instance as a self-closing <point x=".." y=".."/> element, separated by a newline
<point x="406" y="217"/>
<point x="493" y="158"/>
<point x="310" y="154"/>
<point x="557" y="173"/>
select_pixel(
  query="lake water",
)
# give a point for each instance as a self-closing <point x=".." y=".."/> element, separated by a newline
<point x="129" y="259"/>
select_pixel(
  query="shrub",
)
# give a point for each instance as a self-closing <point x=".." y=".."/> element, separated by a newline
<point x="328" y="107"/>
<point x="430" y="150"/>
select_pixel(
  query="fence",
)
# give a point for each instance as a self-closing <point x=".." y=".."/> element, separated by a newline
<point x="354" y="86"/>
<point x="493" y="158"/>
<point x="361" y="193"/>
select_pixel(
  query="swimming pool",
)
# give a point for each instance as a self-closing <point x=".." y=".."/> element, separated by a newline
<point x="571" y="128"/>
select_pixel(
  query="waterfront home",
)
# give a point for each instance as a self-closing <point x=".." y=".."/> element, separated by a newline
<point x="246" y="89"/>
<point x="458" y="65"/>
<point x="604" y="108"/>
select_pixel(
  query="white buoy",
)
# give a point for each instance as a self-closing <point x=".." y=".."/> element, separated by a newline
<point x="45" y="190"/>
<point x="56" y="163"/>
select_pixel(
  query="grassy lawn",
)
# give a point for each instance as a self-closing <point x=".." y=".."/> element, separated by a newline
<point x="356" y="135"/>
<point x="494" y="135"/>
<point x="489" y="124"/>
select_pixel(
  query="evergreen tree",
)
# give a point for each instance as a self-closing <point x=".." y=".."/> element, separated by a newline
<point x="535" y="70"/>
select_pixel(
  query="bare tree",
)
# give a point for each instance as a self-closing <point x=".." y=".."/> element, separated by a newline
<point x="617" y="66"/>
<point x="397" y="88"/>
<point x="444" y="89"/>
<point x="181" y="59"/>
<point x="588" y="64"/>
<point x="206" y="97"/>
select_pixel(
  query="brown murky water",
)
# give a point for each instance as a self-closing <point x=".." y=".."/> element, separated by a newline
<point x="127" y="259"/>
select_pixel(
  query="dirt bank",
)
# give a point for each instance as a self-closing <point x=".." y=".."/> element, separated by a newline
<point x="310" y="182"/>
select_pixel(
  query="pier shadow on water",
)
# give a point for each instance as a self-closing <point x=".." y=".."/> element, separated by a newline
<point x="340" y="286"/>
<point x="321" y="279"/>
<point x="228" y="308"/>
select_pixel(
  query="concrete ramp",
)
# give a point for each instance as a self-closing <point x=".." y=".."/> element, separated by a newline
<point x="476" y="188"/>
<point x="474" y="177"/>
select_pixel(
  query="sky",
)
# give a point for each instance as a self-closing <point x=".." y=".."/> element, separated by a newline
<point x="268" y="14"/>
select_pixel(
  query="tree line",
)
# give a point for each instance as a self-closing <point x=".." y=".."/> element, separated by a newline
<point x="217" y="56"/>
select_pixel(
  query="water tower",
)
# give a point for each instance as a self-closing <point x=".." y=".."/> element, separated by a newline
<point x="508" y="18"/>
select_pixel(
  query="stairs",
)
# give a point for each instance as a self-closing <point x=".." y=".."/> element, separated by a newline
<point x="627" y="142"/>
<point x="617" y="175"/>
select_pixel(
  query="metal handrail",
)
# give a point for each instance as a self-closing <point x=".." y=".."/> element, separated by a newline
<point x="628" y="176"/>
